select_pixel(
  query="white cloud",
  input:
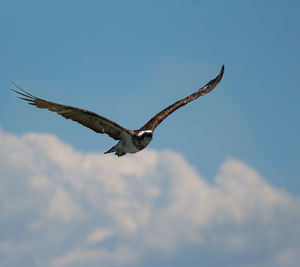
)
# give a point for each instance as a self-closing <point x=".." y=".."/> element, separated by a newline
<point x="288" y="257"/>
<point x="62" y="207"/>
<point x="98" y="235"/>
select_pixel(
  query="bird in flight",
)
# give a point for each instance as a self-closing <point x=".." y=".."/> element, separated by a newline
<point x="130" y="141"/>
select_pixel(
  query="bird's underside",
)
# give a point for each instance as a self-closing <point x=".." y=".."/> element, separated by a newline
<point x="129" y="141"/>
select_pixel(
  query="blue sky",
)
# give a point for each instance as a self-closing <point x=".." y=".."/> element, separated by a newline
<point x="127" y="60"/>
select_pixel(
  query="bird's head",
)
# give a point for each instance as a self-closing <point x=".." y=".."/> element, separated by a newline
<point x="145" y="136"/>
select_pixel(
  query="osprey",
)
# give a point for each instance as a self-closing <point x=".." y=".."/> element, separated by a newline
<point x="130" y="141"/>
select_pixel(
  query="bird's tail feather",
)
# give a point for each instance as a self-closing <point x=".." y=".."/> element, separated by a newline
<point x="113" y="149"/>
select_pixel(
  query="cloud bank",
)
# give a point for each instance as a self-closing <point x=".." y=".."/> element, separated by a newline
<point x="60" y="207"/>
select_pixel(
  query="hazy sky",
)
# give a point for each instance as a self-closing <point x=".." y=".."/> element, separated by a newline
<point x="127" y="60"/>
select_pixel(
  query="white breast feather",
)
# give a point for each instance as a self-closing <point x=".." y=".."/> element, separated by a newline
<point x="126" y="144"/>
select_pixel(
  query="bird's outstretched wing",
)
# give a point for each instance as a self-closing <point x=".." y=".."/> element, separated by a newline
<point x="87" y="118"/>
<point x="158" y="118"/>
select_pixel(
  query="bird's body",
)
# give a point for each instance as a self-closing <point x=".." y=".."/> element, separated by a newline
<point x="129" y="141"/>
<point x="132" y="143"/>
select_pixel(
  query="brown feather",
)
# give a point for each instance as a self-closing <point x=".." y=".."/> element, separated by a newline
<point x="102" y="125"/>
<point x="159" y="117"/>
<point x="95" y="122"/>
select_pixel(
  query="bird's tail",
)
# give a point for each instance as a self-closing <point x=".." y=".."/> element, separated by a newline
<point x="113" y="149"/>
